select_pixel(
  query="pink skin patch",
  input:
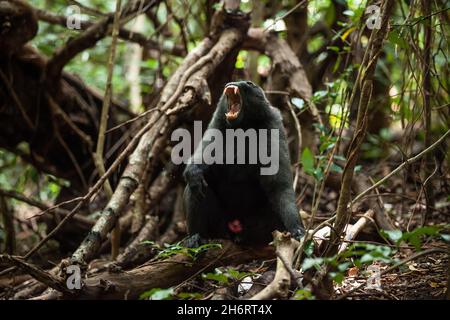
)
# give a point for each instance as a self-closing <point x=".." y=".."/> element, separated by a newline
<point x="235" y="226"/>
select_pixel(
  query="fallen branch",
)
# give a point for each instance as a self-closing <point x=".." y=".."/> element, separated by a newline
<point x="166" y="273"/>
<point x="37" y="273"/>
<point x="352" y="231"/>
<point x="279" y="287"/>
<point x="136" y="250"/>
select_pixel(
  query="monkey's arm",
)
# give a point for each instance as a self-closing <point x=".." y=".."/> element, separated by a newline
<point x="198" y="198"/>
<point x="196" y="168"/>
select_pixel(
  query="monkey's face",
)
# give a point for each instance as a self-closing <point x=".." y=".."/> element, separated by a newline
<point x="243" y="99"/>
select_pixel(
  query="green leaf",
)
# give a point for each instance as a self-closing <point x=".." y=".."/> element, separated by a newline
<point x="338" y="277"/>
<point x="394" y="235"/>
<point x="157" y="294"/>
<point x="318" y="174"/>
<point x="333" y="48"/>
<point x="311" y="262"/>
<point x="303" y="294"/>
<point x="240" y="60"/>
<point x="236" y="274"/>
<point x="395" y="38"/>
<point x="307" y="160"/>
<point x="335" y="168"/>
<point x="309" y="248"/>
<point x="190" y="295"/>
<point x="151" y="63"/>
<point x="264" y="61"/>
<point x="240" y="64"/>
<point x="343" y="266"/>
<point x="349" y="13"/>
<point x="319" y="95"/>
<point x="326" y="146"/>
<point x="194" y="252"/>
<point x="340" y="158"/>
<point x="337" y="63"/>
<point x="217" y="276"/>
<point x="415" y="237"/>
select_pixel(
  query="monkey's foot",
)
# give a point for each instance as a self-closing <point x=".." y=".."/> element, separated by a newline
<point x="193" y="241"/>
<point x="298" y="234"/>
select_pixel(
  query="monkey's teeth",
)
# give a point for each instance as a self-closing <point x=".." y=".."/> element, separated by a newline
<point x="231" y="115"/>
<point x="236" y="90"/>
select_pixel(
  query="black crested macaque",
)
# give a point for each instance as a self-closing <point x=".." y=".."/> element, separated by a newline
<point x="236" y="201"/>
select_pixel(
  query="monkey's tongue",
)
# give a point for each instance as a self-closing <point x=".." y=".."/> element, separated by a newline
<point x="233" y="111"/>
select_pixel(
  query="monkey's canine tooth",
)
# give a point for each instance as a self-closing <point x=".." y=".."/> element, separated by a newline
<point x="235" y="89"/>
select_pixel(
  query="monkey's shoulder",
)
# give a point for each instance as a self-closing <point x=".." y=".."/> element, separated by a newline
<point x="275" y="118"/>
<point x="276" y="113"/>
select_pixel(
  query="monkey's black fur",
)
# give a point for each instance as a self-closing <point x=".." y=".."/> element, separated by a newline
<point x="234" y="201"/>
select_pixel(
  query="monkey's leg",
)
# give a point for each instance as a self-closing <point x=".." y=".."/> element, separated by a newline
<point x="205" y="219"/>
<point x="282" y="203"/>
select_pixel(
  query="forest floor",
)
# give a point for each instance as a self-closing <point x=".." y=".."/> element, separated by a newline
<point x="424" y="277"/>
<point x="421" y="279"/>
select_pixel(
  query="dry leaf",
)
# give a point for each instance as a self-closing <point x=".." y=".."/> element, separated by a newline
<point x="353" y="272"/>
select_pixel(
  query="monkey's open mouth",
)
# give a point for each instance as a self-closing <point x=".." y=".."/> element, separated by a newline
<point x="234" y="101"/>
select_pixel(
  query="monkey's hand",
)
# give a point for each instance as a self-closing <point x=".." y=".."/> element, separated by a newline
<point x="196" y="182"/>
<point x="193" y="241"/>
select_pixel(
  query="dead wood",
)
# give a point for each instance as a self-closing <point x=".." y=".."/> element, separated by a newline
<point x="279" y="287"/>
<point x="352" y="231"/>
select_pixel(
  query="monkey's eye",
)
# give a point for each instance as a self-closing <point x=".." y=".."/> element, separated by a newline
<point x="250" y="83"/>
